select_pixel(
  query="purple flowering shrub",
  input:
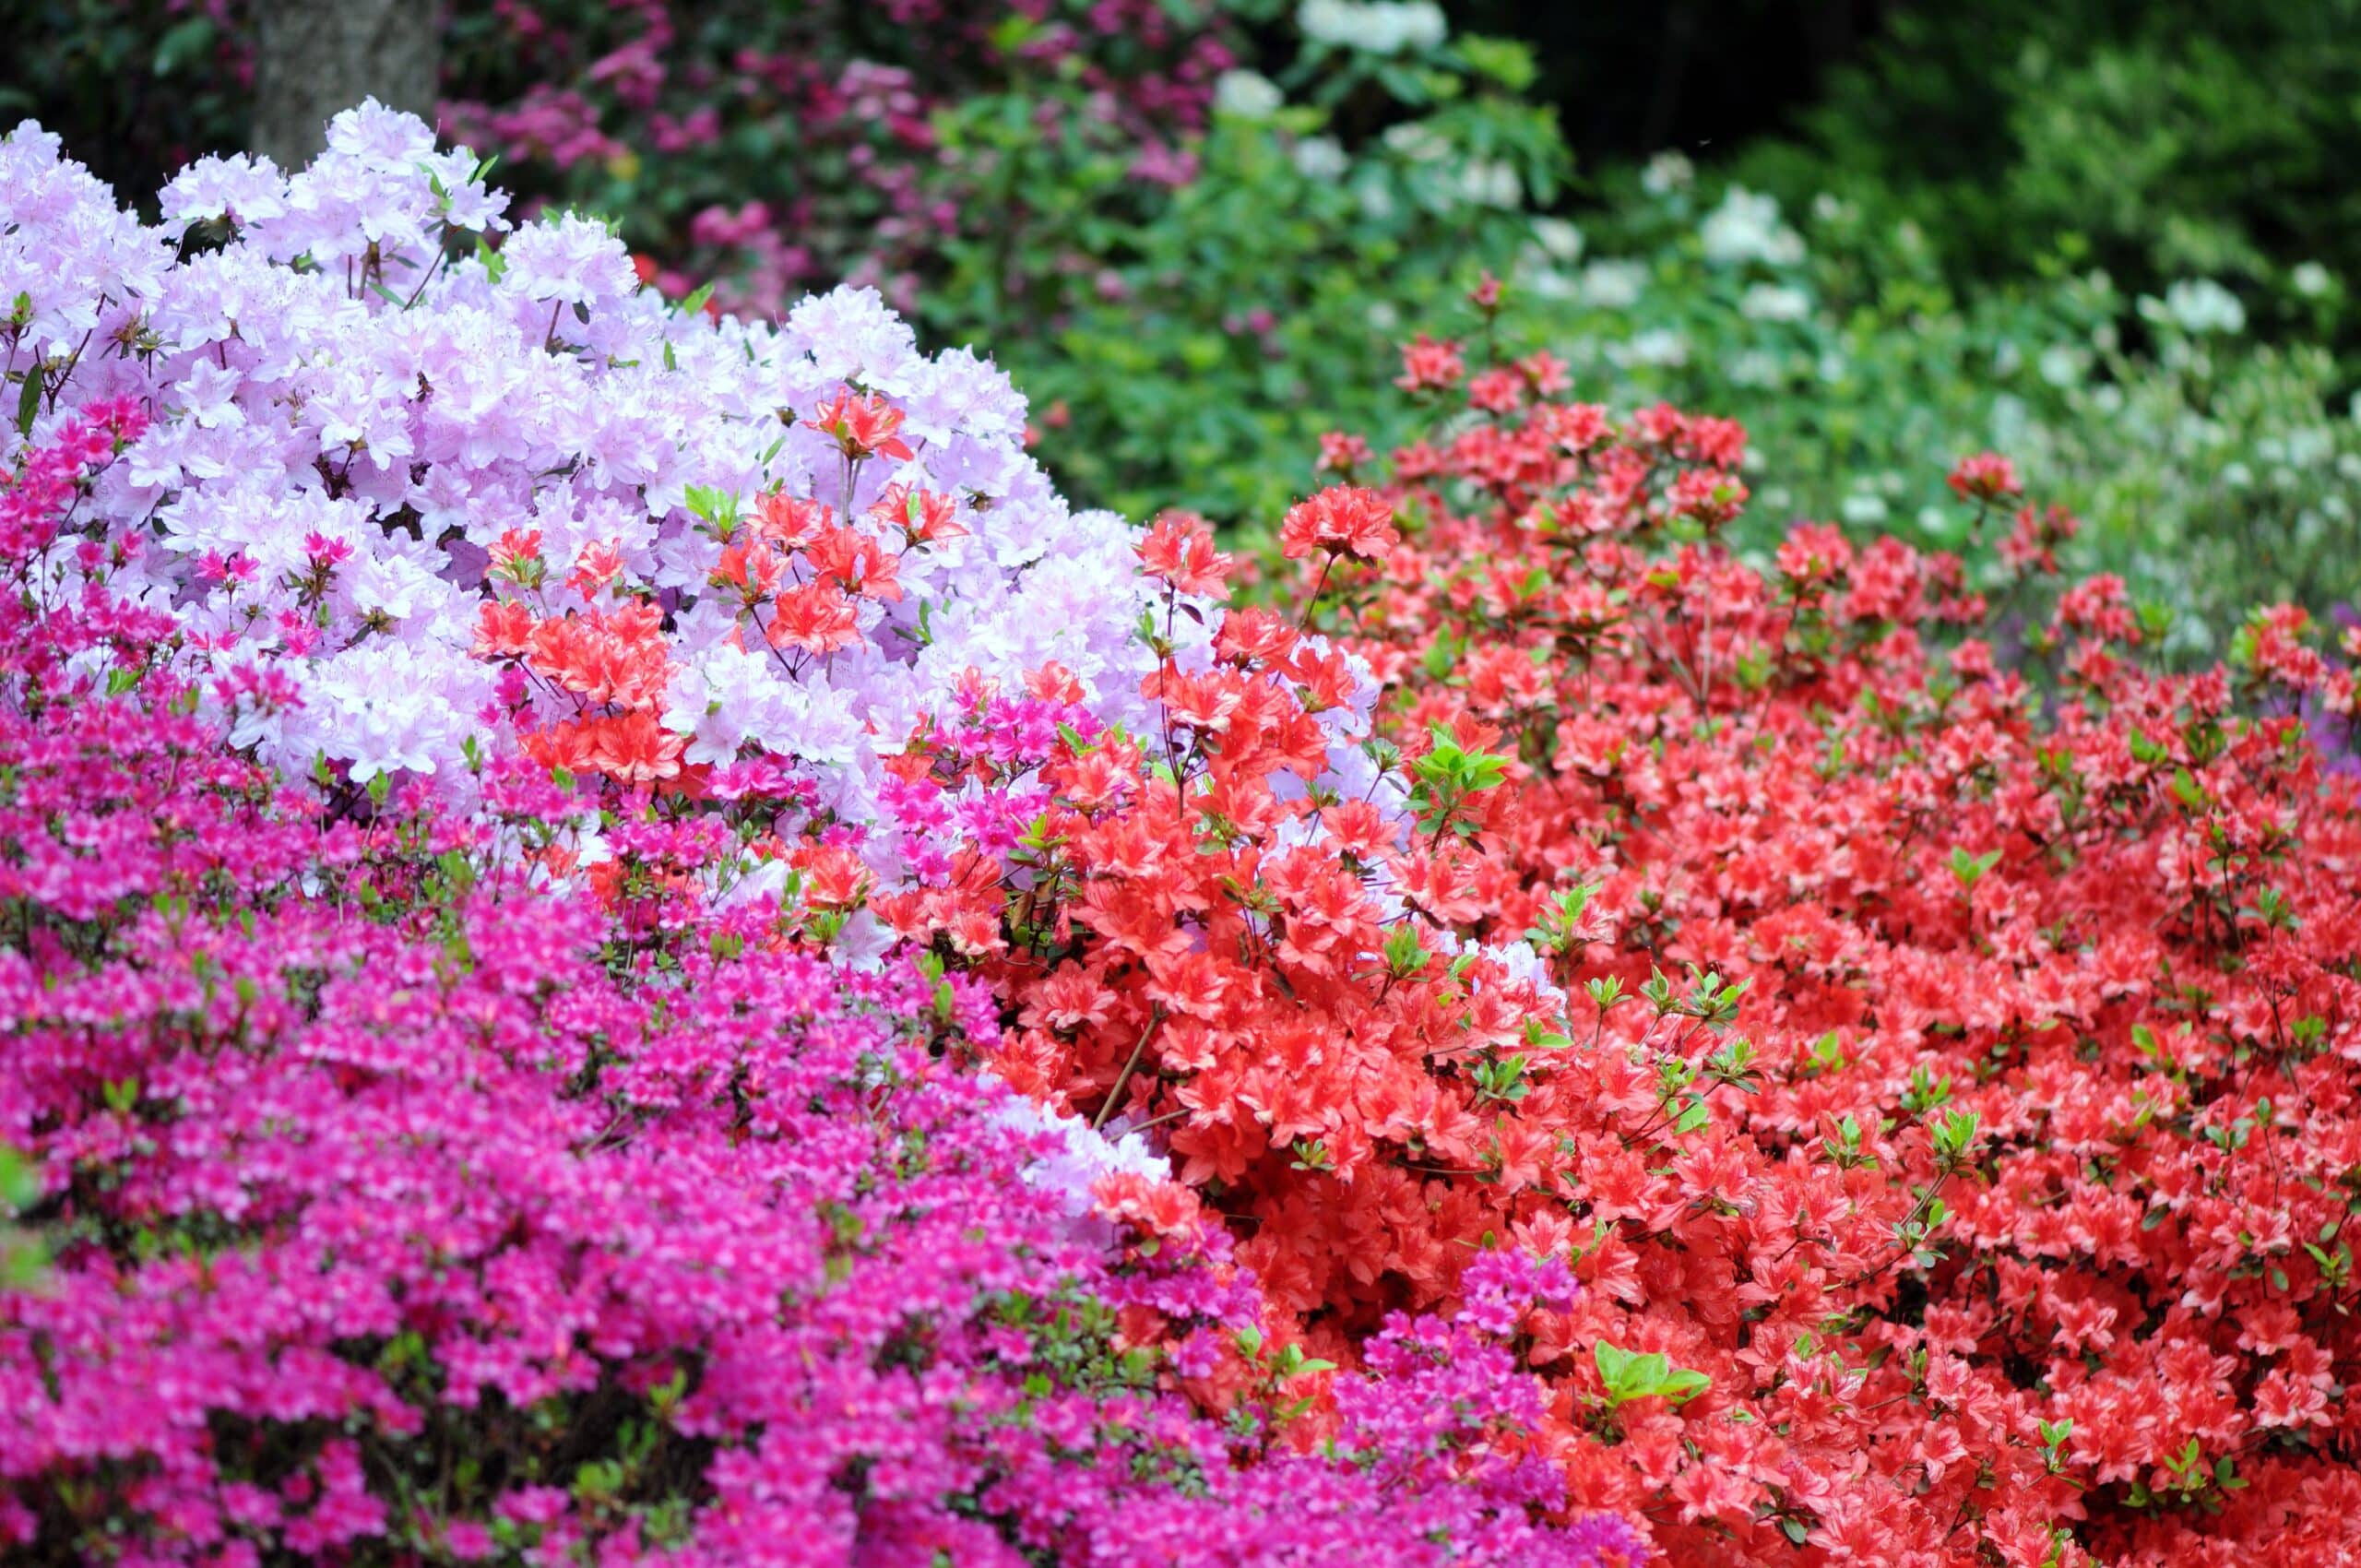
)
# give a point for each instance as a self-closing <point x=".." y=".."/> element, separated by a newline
<point x="460" y="484"/>
<point x="403" y="1204"/>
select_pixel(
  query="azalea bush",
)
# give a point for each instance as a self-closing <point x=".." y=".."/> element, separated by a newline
<point x="1940" y="1080"/>
<point x="1943" y="1080"/>
<point x="525" y="499"/>
<point x="628" y="939"/>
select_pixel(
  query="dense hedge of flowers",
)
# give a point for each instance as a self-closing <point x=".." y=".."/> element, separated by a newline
<point x="1827" y="1059"/>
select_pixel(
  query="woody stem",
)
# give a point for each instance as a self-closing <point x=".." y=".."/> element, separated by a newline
<point x="1124" y="1079"/>
<point x="1308" y="604"/>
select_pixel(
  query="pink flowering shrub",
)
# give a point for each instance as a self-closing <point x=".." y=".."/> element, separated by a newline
<point x="399" y="1209"/>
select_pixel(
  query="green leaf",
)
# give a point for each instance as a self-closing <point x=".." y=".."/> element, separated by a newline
<point x="1971" y="869"/>
<point x="19" y="1187"/>
<point x="182" y="44"/>
<point x="1631" y="1375"/>
<point x="1954" y="1135"/>
<point x="1404" y="955"/>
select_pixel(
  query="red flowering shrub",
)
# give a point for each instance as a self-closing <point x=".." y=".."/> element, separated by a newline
<point x="1941" y="1076"/>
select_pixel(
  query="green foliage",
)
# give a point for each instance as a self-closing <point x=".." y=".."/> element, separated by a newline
<point x="22" y="1256"/>
<point x="1191" y="351"/>
<point x="1446" y="778"/>
<point x="1630" y="1375"/>
<point x="137" y="87"/>
<point x="2212" y="476"/>
<point x="1196" y="362"/>
<point x="2160" y="139"/>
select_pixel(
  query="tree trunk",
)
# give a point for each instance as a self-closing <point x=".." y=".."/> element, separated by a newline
<point x="316" y="57"/>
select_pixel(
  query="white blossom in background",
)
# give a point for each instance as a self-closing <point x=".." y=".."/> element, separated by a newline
<point x="1489" y="183"/>
<point x="2063" y="364"/>
<point x="1614" y="285"/>
<point x="1418" y="142"/>
<point x="1559" y="240"/>
<point x="1247" y="95"/>
<point x="1374" y="27"/>
<point x="1746" y="227"/>
<point x="1320" y="158"/>
<point x="1775" y="302"/>
<point x="1668" y="173"/>
<point x="2198" y="306"/>
<point x="1543" y="282"/>
<point x="1658" y="346"/>
<point x="1753" y="367"/>
<point x="2308" y="446"/>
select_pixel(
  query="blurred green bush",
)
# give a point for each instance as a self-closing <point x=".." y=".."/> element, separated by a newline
<point x="2158" y="138"/>
<point x="1192" y="357"/>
